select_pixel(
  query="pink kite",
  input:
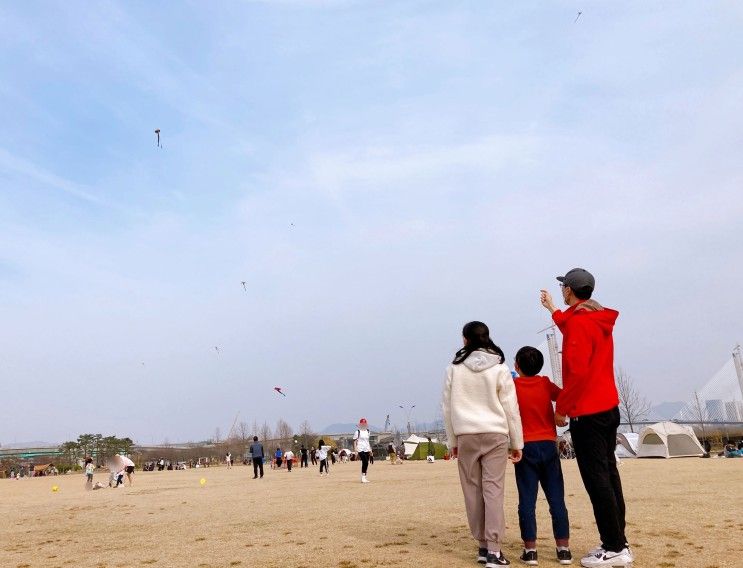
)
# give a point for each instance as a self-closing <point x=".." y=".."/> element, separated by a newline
<point x="278" y="390"/>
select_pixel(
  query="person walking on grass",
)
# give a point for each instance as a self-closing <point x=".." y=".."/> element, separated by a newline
<point x="278" y="457"/>
<point x="481" y="416"/>
<point x="540" y="464"/>
<point x="322" y="457"/>
<point x="89" y="470"/>
<point x="289" y="459"/>
<point x="590" y="399"/>
<point x="256" y="456"/>
<point x="362" y="447"/>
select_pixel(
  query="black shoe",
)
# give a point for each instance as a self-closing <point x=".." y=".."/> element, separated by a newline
<point x="529" y="557"/>
<point x="493" y="560"/>
<point x="564" y="556"/>
<point x="482" y="555"/>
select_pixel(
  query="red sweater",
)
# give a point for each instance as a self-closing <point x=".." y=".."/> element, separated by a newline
<point x="535" y="396"/>
<point x="587" y="361"/>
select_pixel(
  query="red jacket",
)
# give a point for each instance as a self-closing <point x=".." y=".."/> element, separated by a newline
<point x="535" y="396"/>
<point x="587" y="361"/>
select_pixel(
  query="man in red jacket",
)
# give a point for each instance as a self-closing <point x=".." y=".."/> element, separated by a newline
<point x="589" y="398"/>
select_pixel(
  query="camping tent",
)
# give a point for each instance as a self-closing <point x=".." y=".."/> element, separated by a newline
<point x="421" y="452"/>
<point x="668" y="440"/>
<point x="411" y="444"/>
<point x="627" y="445"/>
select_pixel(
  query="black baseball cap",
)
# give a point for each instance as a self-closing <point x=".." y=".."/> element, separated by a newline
<point x="578" y="278"/>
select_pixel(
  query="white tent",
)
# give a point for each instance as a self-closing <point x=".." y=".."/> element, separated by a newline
<point x="412" y="442"/>
<point x="627" y="443"/>
<point x="668" y="440"/>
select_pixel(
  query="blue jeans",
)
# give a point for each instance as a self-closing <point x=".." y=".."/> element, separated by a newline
<point x="540" y="465"/>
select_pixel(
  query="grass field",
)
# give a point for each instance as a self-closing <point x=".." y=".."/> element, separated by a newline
<point x="681" y="513"/>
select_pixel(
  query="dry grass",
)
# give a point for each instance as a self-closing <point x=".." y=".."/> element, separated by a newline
<point x="681" y="513"/>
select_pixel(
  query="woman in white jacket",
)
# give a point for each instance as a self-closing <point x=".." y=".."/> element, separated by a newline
<point x="481" y="415"/>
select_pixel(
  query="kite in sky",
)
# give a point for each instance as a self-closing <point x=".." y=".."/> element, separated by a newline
<point x="244" y="285"/>
<point x="217" y="350"/>
<point x="578" y="16"/>
<point x="157" y="132"/>
<point x="278" y="390"/>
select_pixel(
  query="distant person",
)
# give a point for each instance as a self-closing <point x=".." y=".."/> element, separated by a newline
<point x="313" y="455"/>
<point x="707" y="448"/>
<point x="362" y="447"/>
<point x="278" y="456"/>
<point x="322" y="457"/>
<point x="391" y="455"/>
<point x="289" y="459"/>
<point x="89" y="470"/>
<point x="303" y="455"/>
<point x="126" y="465"/>
<point x="481" y="415"/>
<point x="540" y="464"/>
<point x="590" y="399"/>
<point x="256" y="456"/>
<point x="228" y="459"/>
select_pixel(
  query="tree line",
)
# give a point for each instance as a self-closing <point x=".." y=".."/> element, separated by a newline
<point x="95" y="446"/>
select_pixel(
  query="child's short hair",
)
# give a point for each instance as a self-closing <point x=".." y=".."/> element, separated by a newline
<point x="530" y="360"/>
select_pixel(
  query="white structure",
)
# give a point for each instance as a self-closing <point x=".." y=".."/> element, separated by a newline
<point x="627" y="445"/>
<point x="411" y="443"/>
<point x="668" y="440"/>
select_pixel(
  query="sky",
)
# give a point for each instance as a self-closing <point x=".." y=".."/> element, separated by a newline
<point x="378" y="173"/>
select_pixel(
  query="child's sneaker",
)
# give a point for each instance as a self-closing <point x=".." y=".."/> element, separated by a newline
<point x="564" y="556"/>
<point x="493" y="560"/>
<point x="529" y="557"/>
<point x="482" y="555"/>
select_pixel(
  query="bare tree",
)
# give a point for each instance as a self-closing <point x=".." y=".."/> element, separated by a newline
<point x="284" y="432"/>
<point x="265" y="433"/>
<point x="307" y="436"/>
<point x="242" y="432"/>
<point x="633" y="406"/>
<point x="699" y="413"/>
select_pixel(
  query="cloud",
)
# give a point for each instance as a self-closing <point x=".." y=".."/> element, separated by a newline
<point x="10" y="163"/>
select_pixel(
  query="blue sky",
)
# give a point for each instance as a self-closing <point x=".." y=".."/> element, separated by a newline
<point x="379" y="173"/>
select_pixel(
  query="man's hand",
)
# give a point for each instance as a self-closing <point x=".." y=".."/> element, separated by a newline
<point x="515" y="456"/>
<point x="546" y="299"/>
<point x="560" y="419"/>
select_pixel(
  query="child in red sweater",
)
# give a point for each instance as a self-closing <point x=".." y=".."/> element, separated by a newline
<point x="540" y="464"/>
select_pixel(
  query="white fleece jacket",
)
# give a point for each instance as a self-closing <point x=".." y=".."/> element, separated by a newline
<point x="480" y="397"/>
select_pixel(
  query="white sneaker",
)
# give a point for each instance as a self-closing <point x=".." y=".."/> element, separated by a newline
<point x="600" y="548"/>
<point x="594" y="551"/>
<point x="607" y="559"/>
<point x="364" y="479"/>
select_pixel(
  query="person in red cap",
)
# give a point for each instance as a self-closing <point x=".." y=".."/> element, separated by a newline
<point x="589" y="398"/>
<point x="362" y="447"/>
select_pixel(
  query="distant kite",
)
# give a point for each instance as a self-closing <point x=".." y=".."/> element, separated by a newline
<point x="576" y="18"/>
<point x="217" y="350"/>
<point x="278" y="390"/>
<point x="157" y="132"/>
<point x="245" y="287"/>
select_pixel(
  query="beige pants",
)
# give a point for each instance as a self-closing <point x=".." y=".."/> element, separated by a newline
<point x="482" y="472"/>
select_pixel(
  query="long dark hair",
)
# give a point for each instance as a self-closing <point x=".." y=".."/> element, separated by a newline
<point x="477" y="335"/>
